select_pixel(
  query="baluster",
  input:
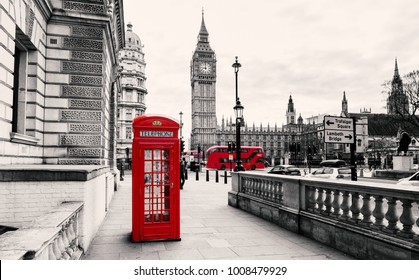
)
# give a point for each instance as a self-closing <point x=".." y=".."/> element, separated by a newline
<point x="67" y="238"/>
<point x="378" y="213"/>
<point x="71" y="235"/>
<point x="319" y="200"/>
<point x="61" y="245"/>
<point x="280" y="192"/>
<point x="260" y="188"/>
<point x="51" y="255"/>
<point x="255" y="188"/>
<point x="328" y="202"/>
<point x="76" y="229"/>
<point x="244" y="185"/>
<point x="66" y="242"/>
<point x="336" y="203"/>
<point x="407" y="219"/>
<point x="267" y="193"/>
<point x="416" y="236"/>
<point x="277" y="192"/>
<point x="366" y="210"/>
<point x="268" y="190"/>
<point x="271" y="191"/>
<point x="275" y="189"/>
<point x="355" y="208"/>
<point x="267" y="186"/>
<point x="392" y="216"/>
<point x="263" y="190"/>
<point x="248" y="186"/>
<point x="56" y="249"/>
<point x="345" y="206"/>
<point x="311" y="198"/>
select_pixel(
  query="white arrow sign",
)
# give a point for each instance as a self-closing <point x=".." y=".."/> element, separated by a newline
<point x="338" y="136"/>
<point x="338" y="123"/>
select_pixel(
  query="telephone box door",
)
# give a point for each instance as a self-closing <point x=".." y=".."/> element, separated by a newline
<point x="158" y="206"/>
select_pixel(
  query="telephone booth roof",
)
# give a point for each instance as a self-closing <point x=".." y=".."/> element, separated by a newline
<point x="155" y="121"/>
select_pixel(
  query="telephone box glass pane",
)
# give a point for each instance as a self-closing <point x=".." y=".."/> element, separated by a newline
<point x="157" y="166"/>
<point x="166" y="166"/>
<point x="166" y="154"/>
<point x="147" y="166"/>
<point x="147" y="179"/>
<point x="147" y="154"/>
<point x="157" y="154"/>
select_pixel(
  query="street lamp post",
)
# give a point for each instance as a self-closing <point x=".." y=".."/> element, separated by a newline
<point x="181" y="124"/>
<point x="236" y="65"/>
<point x="181" y="137"/>
<point x="238" y="110"/>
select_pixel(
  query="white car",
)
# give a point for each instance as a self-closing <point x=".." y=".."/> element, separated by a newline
<point x="332" y="173"/>
<point x="410" y="181"/>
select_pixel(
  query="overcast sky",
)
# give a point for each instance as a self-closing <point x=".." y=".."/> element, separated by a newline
<point x="311" y="49"/>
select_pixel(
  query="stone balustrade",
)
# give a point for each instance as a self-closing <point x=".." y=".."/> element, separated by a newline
<point x="53" y="236"/>
<point x="364" y="219"/>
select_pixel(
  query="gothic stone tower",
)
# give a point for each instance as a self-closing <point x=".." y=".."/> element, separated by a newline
<point x="397" y="102"/>
<point x="203" y="80"/>
<point x="290" y="112"/>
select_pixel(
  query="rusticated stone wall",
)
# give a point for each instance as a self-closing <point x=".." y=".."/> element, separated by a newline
<point x="67" y="54"/>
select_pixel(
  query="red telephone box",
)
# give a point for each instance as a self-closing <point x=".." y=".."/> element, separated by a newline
<point x="155" y="179"/>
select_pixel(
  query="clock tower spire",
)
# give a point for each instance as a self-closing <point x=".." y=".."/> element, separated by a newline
<point x="203" y="80"/>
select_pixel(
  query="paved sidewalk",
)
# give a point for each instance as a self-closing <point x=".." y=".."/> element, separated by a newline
<point x="210" y="229"/>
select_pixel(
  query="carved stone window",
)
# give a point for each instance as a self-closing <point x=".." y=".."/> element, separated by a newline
<point x="19" y="116"/>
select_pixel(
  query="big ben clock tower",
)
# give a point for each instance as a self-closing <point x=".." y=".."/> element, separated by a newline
<point x="203" y="80"/>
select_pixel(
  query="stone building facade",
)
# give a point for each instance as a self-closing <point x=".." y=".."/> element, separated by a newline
<point x="58" y="94"/>
<point x="57" y="81"/>
<point x="131" y="98"/>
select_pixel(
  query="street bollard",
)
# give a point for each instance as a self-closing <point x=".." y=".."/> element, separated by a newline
<point x="225" y="177"/>
<point x="216" y="176"/>
<point x="361" y="173"/>
<point x="207" y="175"/>
<point x="121" y="174"/>
<point x="197" y="175"/>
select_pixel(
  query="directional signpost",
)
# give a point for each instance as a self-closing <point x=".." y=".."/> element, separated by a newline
<point x="340" y="130"/>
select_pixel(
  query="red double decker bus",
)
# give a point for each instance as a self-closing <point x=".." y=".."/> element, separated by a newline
<point x="252" y="158"/>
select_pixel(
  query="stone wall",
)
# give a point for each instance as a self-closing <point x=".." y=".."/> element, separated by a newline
<point x="364" y="219"/>
<point x="28" y="192"/>
<point x="58" y="68"/>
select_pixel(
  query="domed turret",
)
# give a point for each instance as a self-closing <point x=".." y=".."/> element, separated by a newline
<point x="132" y="40"/>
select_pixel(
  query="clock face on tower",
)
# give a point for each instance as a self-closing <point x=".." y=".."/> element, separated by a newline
<point x="205" y="68"/>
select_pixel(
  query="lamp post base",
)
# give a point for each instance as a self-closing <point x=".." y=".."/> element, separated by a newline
<point x="239" y="168"/>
